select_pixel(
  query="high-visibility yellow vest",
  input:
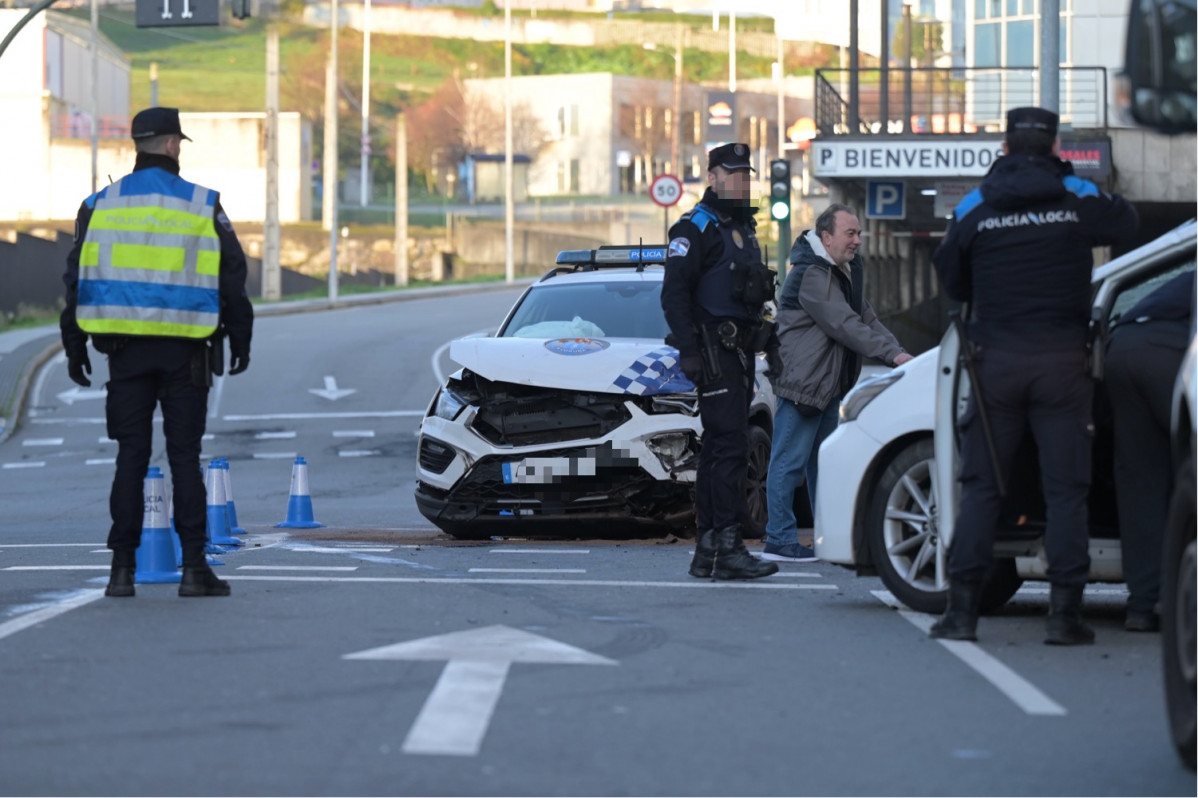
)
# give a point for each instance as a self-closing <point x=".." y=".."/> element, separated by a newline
<point x="150" y="261"/>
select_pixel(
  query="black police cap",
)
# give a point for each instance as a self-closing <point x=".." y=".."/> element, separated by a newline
<point x="733" y="157"/>
<point x="156" y="122"/>
<point x="1031" y="118"/>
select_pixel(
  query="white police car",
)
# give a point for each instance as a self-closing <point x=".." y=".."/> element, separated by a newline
<point x="889" y="508"/>
<point x="574" y="419"/>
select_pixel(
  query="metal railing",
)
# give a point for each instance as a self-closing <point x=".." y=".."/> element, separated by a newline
<point x="951" y="100"/>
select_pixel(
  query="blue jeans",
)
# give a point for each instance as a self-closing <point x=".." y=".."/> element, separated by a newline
<point x="796" y="443"/>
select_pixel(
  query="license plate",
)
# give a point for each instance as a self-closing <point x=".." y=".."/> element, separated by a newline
<point x="547" y="470"/>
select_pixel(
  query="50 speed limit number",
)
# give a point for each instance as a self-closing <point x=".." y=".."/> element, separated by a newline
<point x="665" y="190"/>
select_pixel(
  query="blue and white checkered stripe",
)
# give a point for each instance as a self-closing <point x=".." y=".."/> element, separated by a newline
<point x="653" y="373"/>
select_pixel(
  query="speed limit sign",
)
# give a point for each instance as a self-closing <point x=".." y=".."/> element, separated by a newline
<point x="666" y="190"/>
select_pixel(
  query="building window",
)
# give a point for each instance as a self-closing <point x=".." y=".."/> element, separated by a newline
<point x="979" y="9"/>
<point x="986" y="40"/>
<point x="567" y="121"/>
<point x="1021" y="44"/>
<point x="1029" y="6"/>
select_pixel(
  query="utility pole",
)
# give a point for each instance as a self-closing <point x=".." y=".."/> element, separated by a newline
<point x="95" y="127"/>
<point x="329" y="216"/>
<point x="509" y="206"/>
<point x="364" y="194"/>
<point x="402" y="269"/>
<point x="1050" y="55"/>
<point x="271" y="276"/>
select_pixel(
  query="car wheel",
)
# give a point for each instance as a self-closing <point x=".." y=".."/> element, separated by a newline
<point x="905" y="542"/>
<point x="1178" y="598"/>
<point x="755" y="483"/>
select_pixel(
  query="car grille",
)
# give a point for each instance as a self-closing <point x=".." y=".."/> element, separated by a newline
<point x="434" y="455"/>
<point x="514" y="415"/>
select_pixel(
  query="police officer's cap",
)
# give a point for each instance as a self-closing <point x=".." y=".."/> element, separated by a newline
<point x="1031" y="118"/>
<point x="156" y="122"/>
<point x="734" y="157"/>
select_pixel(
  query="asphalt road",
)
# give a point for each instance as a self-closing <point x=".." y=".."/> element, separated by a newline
<point x="376" y="657"/>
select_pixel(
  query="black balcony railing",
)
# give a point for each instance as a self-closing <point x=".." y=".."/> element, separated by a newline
<point x="951" y="100"/>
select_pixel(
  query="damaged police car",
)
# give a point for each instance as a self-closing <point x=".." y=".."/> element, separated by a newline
<point x="574" y="419"/>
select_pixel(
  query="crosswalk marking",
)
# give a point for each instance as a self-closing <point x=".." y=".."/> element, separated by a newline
<point x="42" y="442"/>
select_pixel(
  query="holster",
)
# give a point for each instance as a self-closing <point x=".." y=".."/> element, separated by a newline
<point x="201" y="374"/>
<point x="216" y="353"/>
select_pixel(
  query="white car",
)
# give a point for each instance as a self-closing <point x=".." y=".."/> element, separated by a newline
<point x="574" y="418"/>
<point x="888" y="490"/>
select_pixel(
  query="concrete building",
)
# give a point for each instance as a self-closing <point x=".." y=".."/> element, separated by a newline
<point x="612" y="134"/>
<point x="46" y="100"/>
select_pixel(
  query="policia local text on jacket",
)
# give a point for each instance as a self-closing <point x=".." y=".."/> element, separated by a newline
<point x="1019" y="251"/>
<point x="713" y="294"/>
<point x="155" y="272"/>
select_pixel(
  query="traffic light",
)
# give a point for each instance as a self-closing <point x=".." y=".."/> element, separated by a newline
<point x="780" y="189"/>
<point x="241" y="9"/>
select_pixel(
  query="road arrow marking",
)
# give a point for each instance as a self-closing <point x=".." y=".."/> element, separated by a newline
<point x="77" y="394"/>
<point x="456" y="714"/>
<point x="330" y="390"/>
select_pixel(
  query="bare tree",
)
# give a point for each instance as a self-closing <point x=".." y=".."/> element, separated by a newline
<point x="482" y="125"/>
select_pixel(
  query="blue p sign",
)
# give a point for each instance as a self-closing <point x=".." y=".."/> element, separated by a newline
<point x="885" y="199"/>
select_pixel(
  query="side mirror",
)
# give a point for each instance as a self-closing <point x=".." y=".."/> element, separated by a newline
<point x="1159" y="83"/>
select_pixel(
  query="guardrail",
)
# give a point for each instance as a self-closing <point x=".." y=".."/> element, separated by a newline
<point x="951" y="100"/>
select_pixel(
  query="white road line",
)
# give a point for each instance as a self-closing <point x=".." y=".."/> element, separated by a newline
<point x="104" y="439"/>
<point x="1026" y="695"/>
<point x="353" y="433"/>
<point x="55" y="568"/>
<point x="274" y="455"/>
<point x="46" y="613"/>
<point x="43" y="545"/>
<point x="358" y="453"/>
<point x="527" y="571"/>
<point x="100" y="461"/>
<point x="416" y="580"/>
<point x="306" y="549"/>
<point x="208" y="436"/>
<point x="31" y="464"/>
<point x="268" y="436"/>
<point x="303" y="416"/>
<point x="540" y="551"/>
<point x="799" y="575"/>
<point x="297" y="568"/>
<point x="42" y="442"/>
<point x="455" y="716"/>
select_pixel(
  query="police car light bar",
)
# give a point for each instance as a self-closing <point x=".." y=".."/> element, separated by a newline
<point x="613" y="256"/>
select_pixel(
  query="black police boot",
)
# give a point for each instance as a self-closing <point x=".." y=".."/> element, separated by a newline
<point x="960" y="618"/>
<point x="1064" y="624"/>
<point x="704" y="558"/>
<point x="198" y="580"/>
<point x="732" y="559"/>
<point x="120" y="579"/>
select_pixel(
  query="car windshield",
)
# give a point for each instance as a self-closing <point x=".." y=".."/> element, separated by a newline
<point x="590" y="310"/>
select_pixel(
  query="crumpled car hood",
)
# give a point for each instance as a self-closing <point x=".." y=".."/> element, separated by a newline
<point x="600" y="365"/>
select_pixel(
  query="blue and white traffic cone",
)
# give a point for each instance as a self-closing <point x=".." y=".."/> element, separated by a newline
<point x="218" y="508"/>
<point x="208" y="547"/>
<point x="156" y="552"/>
<point x="299" y="504"/>
<point x="234" y="528"/>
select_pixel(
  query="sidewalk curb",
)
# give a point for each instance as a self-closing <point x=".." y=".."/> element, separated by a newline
<point x="21" y="392"/>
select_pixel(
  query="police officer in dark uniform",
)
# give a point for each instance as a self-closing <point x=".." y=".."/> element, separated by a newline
<point x="713" y="294"/>
<point x="1019" y="251"/>
<point x="1146" y="348"/>
<point x="156" y="278"/>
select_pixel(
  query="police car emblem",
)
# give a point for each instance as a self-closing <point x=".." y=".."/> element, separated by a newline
<point x="736" y="239"/>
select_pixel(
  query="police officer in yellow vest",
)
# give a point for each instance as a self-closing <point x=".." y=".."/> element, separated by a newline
<point x="157" y="279"/>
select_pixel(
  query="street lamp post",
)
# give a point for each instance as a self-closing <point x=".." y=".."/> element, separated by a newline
<point x="676" y="110"/>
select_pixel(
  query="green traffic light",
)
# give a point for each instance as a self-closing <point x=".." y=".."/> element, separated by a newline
<point x="780" y="210"/>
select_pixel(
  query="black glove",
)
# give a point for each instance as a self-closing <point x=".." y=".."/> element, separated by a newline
<point x="692" y="367"/>
<point x="78" y="364"/>
<point x="239" y="362"/>
<point x="773" y="359"/>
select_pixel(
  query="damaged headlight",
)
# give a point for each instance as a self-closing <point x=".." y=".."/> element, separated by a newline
<point x="865" y="392"/>
<point x="450" y="402"/>
<point x="673" y="448"/>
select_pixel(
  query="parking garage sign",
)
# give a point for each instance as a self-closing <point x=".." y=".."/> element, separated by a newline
<point x="885" y="199"/>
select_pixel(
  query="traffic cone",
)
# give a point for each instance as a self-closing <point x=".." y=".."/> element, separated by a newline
<point x="299" y="505"/>
<point x="234" y="528"/>
<point x="218" y="508"/>
<point x="156" y="553"/>
<point x="208" y="547"/>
